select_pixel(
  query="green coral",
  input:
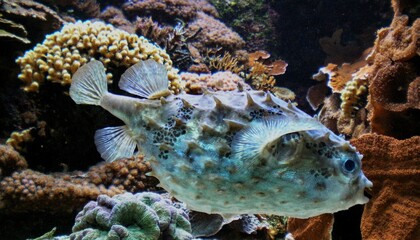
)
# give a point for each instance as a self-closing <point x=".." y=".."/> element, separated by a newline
<point x="146" y="216"/>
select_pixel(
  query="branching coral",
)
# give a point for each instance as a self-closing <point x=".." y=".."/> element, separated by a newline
<point x="63" y="52"/>
<point x="225" y="62"/>
<point x="144" y="215"/>
<point x="28" y="191"/>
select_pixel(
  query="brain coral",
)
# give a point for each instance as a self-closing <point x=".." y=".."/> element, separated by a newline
<point x="146" y="216"/>
<point x="63" y="52"/>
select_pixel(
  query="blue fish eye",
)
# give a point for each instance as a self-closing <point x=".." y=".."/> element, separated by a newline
<point x="349" y="165"/>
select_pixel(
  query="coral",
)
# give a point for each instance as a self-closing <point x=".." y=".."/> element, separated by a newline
<point x="144" y="215"/>
<point x="10" y="161"/>
<point x="88" y="8"/>
<point x="116" y="17"/>
<point x="63" y="52"/>
<point x="263" y="70"/>
<point x="253" y="19"/>
<point x="28" y="191"/>
<point x="10" y="30"/>
<point x="256" y="56"/>
<point x="392" y="165"/>
<point x="319" y="227"/>
<point x="173" y="8"/>
<point x="17" y="139"/>
<point x="225" y="62"/>
<point x="338" y="53"/>
<point x="213" y="34"/>
<point x="28" y="9"/>
<point x="219" y="81"/>
<point x="394" y="100"/>
<point x="283" y="93"/>
<point x="172" y="39"/>
<point x="316" y="95"/>
<point x="27" y="20"/>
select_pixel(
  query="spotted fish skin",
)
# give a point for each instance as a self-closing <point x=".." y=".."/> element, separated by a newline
<point x="239" y="152"/>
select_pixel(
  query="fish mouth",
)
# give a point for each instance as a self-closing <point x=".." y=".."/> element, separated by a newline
<point x="367" y="193"/>
<point x="366" y="187"/>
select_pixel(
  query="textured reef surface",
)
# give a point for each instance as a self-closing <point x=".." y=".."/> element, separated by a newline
<point x="355" y="64"/>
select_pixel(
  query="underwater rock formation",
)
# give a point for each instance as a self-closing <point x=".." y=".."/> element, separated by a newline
<point x="31" y="191"/>
<point x="146" y="216"/>
<point x="393" y="166"/>
<point x="63" y="52"/>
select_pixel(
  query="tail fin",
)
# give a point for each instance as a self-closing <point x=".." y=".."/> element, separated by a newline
<point x="89" y="83"/>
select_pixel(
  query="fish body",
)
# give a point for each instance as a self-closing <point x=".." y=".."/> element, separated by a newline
<point x="239" y="152"/>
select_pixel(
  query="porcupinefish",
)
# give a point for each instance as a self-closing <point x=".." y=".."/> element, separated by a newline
<point x="237" y="152"/>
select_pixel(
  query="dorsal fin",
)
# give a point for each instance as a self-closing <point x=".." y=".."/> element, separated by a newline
<point x="250" y="143"/>
<point x="147" y="79"/>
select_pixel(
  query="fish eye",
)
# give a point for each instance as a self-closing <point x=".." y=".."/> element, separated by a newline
<point x="349" y="165"/>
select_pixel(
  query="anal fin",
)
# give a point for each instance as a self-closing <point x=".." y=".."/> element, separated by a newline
<point x="114" y="143"/>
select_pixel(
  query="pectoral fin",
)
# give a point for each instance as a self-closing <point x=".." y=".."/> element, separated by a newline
<point x="114" y="143"/>
<point x="259" y="138"/>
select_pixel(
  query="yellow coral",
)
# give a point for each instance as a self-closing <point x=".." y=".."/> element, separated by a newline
<point x="353" y="92"/>
<point x="63" y="52"/>
<point x="18" y="138"/>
